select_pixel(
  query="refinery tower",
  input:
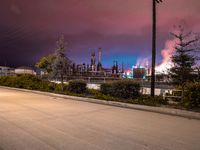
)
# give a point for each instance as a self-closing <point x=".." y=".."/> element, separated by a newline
<point x="93" y="65"/>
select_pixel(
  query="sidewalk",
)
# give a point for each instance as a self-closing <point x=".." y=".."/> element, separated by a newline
<point x="168" y="111"/>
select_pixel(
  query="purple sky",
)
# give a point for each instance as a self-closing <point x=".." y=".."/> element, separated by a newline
<point x="29" y="28"/>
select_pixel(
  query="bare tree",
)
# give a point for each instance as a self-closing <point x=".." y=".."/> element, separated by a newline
<point x="62" y="64"/>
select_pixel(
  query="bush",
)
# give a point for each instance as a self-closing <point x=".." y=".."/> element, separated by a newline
<point x="151" y="101"/>
<point x="98" y="95"/>
<point x="58" y="87"/>
<point x="47" y="86"/>
<point x="123" y="89"/>
<point x="28" y="82"/>
<point x="107" y="88"/>
<point x="77" y="86"/>
<point x="192" y="95"/>
<point x="8" y="81"/>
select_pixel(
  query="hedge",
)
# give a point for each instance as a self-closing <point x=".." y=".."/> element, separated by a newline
<point x="151" y="101"/>
<point x="192" y="95"/>
<point x="27" y="82"/>
<point x="77" y="86"/>
<point x="126" y="89"/>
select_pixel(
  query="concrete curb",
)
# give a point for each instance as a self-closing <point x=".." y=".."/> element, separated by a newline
<point x="167" y="111"/>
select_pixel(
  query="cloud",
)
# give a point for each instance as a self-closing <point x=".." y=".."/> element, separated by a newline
<point x="15" y="9"/>
<point x="166" y="54"/>
<point x="118" y="26"/>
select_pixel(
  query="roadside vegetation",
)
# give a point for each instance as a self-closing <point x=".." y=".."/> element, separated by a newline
<point x="126" y="91"/>
<point x="182" y="75"/>
<point x="56" y="65"/>
<point x="185" y="61"/>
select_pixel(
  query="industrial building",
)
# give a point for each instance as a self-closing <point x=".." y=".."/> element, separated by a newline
<point x="92" y="70"/>
<point x="25" y="70"/>
<point x="95" y="68"/>
<point x="6" y="71"/>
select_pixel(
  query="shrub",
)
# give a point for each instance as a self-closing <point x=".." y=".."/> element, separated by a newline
<point x="47" y="86"/>
<point x="97" y="94"/>
<point x="58" y="87"/>
<point x="8" y="81"/>
<point x="123" y="89"/>
<point x="192" y="95"/>
<point x="77" y="86"/>
<point x="151" y="101"/>
<point x="106" y="88"/>
<point x="28" y="82"/>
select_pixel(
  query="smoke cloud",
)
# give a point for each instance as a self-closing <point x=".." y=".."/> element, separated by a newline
<point x="166" y="54"/>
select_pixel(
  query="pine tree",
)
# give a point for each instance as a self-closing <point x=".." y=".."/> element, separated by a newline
<point x="183" y="59"/>
<point x="62" y="64"/>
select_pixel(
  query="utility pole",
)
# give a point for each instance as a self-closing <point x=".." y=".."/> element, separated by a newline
<point x="153" y="46"/>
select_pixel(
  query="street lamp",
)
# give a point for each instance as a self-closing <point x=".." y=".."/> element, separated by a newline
<point x="154" y="47"/>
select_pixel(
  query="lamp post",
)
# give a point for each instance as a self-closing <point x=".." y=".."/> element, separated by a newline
<point x="155" y="2"/>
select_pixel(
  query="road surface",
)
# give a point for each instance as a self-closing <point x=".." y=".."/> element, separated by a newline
<point x="36" y="122"/>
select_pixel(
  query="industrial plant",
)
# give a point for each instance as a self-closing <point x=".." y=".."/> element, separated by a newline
<point x="93" y="70"/>
<point x="96" y="69"/>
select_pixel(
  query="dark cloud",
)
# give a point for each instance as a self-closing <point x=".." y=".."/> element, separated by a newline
<point x="29" y="28"/>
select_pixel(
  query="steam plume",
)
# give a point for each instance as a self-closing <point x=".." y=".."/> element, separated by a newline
<point x="166" y="54"/>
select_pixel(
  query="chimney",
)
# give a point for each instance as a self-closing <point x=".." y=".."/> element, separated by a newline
<point x="92" y="57"/>
<point x="100" y="53"/>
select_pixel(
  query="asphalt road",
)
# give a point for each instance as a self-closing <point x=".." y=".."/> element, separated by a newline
<point x="36" y="122"/>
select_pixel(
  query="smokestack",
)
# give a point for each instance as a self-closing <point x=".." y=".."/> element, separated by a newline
<point x="92" y="57"/>
<point x="122" y="67"/>
<point x="117" y="68"/>
<point x="93" y="65"/>
<point x="100" y="53"/>
<point x="99" y="65"/>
